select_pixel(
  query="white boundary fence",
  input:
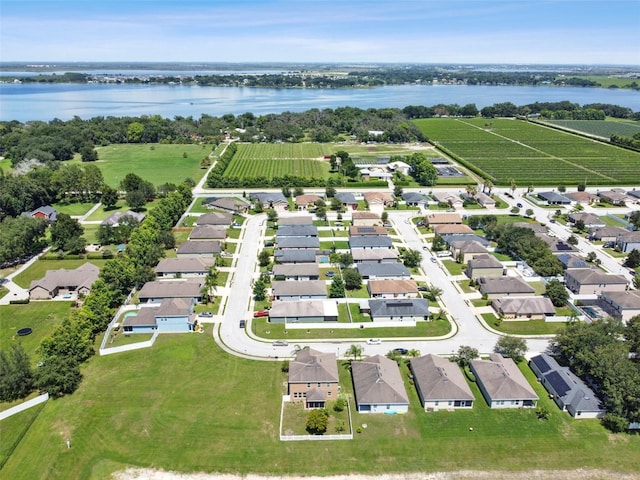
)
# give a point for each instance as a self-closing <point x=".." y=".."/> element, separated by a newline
<point x="132" y="346"/>
<point x="292" y="438"/>
<point x="24" y="406"/>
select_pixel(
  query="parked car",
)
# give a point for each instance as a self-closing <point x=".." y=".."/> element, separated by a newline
<point x="269" y="244"/>
<point x="401" y="351"/>
<point x="206" y="314"/>
<point x="608" y="245"/>
<point x="374" y="341"/>
<point x="280" y="343"/>
<point x="242" y="323"/>
<point x="434" y="259"/>
<point x="330" y="273"/>
<point x="423" y="289"/>
<point x="424" y="247"/>
<point x="519" y="205"/>
<point x="261" y="313"/>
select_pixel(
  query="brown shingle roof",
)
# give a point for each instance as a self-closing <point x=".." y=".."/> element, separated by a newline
<point x="377" y="380"/>
<point x="437" y="378"/>
<point x="502" y="379"/>
<point x="312" y="366"/>
<point x="380" y="287"/>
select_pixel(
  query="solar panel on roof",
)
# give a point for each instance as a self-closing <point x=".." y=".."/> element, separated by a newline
<point x="366" y="229"/>
<point x="399" y="304"/>
<point x="541" y="363"/>
<point x="558" y="383"/>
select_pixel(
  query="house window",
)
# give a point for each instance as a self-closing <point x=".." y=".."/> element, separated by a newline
<point x="437" y="403"/>
<point x="308" y="385"/>
<point x="319" y="384"/>
<point x="328" y="384"/>
<point x="329" y="393"/>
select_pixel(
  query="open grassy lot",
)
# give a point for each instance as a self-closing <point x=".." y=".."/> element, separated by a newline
<point x="73" y="209"/>
<point x="505" y="149"/>
<point x="157" y="163"/>
<point x="40" y="267"/>
<point x="159" y="408"/>
<point x="42" y="317"/>
<point x="528" y="327"/>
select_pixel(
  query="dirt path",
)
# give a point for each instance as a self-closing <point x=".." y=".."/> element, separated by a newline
<point x="580" y="474"/>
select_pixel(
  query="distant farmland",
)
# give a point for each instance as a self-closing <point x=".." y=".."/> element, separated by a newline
<point x="278" y="159"/>
<point x="599" y="128"/>
<point x="504" y="149"/>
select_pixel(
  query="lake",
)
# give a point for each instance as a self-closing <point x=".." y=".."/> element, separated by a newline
<point x="25" y="102"/>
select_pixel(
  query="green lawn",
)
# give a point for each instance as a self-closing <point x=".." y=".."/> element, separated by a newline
<point x="158" y="408"/>
<point x="434" y="328"/>
<point x="40" y="267"/>
<point x="72" y="209"/>
<point x="42" y="317"/>
<point x="157" y="163"/>
<point x="453" y="267"/>
<point x="527" y="327"/>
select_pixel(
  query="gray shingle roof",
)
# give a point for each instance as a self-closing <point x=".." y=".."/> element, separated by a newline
<point x="189" y="288"/>
<point x="312" y="366"/>
<point x="377" y="380"/>
<point x="296" y="270"/>
<point x="524" y="306"/>
<point x="215" y="218"/>
<point x="83" y="276"/>
<point x="297" y="231"/>
<point x="370" y="241"/>
<point x="594" y="276"/>
<point x="386" y="269"/>
<point x="207" y="232"/>
<point x="501" y="379"/>
<point x="506" y="285"/>
<point x="200" y="247"/>
<point x="303" y="287"/>
<point x="185" y="265"/>
<point x="296" y="256"/>
<point x="437" y="378"/>
<point x="298" y="242"/>
<point x="295" y="220"/>
<point x="399" y="308"/>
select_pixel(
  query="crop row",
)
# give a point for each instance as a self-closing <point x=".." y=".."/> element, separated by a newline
<point x="600" y="128"/>
<point x="276" y="168"/>
<point x="260" y="151"/>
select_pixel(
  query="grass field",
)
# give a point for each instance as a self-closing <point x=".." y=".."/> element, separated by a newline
<point x="599" y="128"/>
<point x="40" y="267"/>
<point x="157" y="163"/>
<point x="42" y="317"/>
<point x="531" y="154"/>
<point x="159" y="408"/>
<point x="73" y="209"/>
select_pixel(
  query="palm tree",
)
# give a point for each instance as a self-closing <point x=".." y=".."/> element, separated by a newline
<point x="512" y="186"/>
<point x="434" y="292"/>
<point x="354" y="351"/>
<point x="471" y="190"/>
<point x="413" y="353"/>
<point x="487" y="184"/>
<point x="210" y="283"/>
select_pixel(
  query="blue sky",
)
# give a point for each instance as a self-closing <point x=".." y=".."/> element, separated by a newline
<point x="418" y="31"/>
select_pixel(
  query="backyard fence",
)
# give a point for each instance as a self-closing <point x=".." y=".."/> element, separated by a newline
<point x="24" y="405"/>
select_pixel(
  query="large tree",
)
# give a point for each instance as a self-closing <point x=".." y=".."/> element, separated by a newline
<point x="352" y="279"/>
<point x="65" y="230"/>
<point x="512" y="347"/>
<point x="557" y="293"/>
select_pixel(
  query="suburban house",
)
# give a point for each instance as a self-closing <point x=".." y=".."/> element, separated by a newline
<point x="198" y="248"/>
<point x="173" y="315"/>
<point x="297" y="231"/>
<point x="434" y="219"/>
<point x="359" y="230"/>
<point x="299" y="243"/>
<point x="628" y="241"/>
<point x="301" y="290"/>
<point x="583" y="197"/>
<point x="502" y="384"/>
<point x="307" y="311"/>
<point x="622" y="305"/>
<point x="450" y="239"/>
<point x="570" y="260"/>
<point x="296" y="271"/>
<point x="63" y="282"/>
<point x="449" y="198"/>
<point x="535" y="226"/>
<point x="569" y="392"/>
<point x="504" y="287"/>
<point x="378" y="255"/>
<point x="464" y="250"/>
<point x="313" y="378"/>
<point x="606" y="234"/>
<point x="370" y="270"/>
<point x="116" y="218"/>
<point x="392" y="288"/>
<point x="47" y="213"/>
<point x="378" y="198"/>
<point x="348" y="200"/>
<point x="208" y="232"/>
<point x="614" y="197"/>
<point x="414" y="199"/>
<point x="378" y="386"/>
<point x="365" y="218"/>
<point x="453" y="229"/>
<point x="158" y="290"/>
<point x="275" y="200"/>
<point x="634" y="195"/>
<point x="593" y="281"/>
<point x="485" y="200"/>
<point x="306" y="202"/>
<point x="226" y="203"/>
<point x="554" y="198"/>
<point x="391" y="310"/>
<point x="185" y="267"/>
<point x="523" y="308"/>
<point x="296" y="256"/>
<point x="370" y="242"/>
<point x="295" y="220"/>
<point x="215" y="218"/>
<point x="399" y="166"/>
<point x="556" y="245"/>
<point x="484" y="266"/>
<point x="590" y="220"/>
<point x="440" y="383"/>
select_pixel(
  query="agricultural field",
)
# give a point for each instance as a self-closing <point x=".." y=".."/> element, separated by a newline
<point x="505" y="149"/>
<point x="156" y="163"/>
<point x="599" y="128"/>
<point x="279" y="159"/>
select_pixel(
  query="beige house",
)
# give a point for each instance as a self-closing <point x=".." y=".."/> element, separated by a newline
<point x="465" y="250"/>
<point x="505" y="287"/>
<point x="443" y="219"/>
<point x="502" y="384"/>
<point x="393" y="288"/>
<point x="304" y="202"/>
<point x="485" y="200"/>
<point x="523" y="308"/>
<point x="623" y="305"/>
<point x="593" y="281"/>
<point x="358" y="230"/>
<point x="63" y="281"/>
<point x="483" y="266"/>
<point x="606" y="234"/>
<point x="208" y="232"/>
<point x="453" y="230"/>
<point x="446" y="197"/>
<point x="215" y="218"/>
<point x="365" y="219"/>
<point x="313" y="378"/>
<point x="440" y="384"/>
<point x="378" y="198"/>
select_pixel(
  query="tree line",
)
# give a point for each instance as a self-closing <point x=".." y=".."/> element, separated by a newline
<point x="72" y="342"/>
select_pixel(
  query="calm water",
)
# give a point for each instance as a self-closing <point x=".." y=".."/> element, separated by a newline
<point x="25" y="102"/>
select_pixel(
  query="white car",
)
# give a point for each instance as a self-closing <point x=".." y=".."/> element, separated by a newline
<point x="374" y="341"/>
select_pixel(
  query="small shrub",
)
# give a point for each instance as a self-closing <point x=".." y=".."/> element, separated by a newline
<point x="359" y="430"/>
<point x="339" y="404"/>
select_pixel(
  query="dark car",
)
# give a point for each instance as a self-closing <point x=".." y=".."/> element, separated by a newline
<point x="242" y="323"/>
<point x="519" y="205"/>
<point x="330" y="273"/>
<point x="423" y="289"/>
<point x="268" y="244"/>
<point x="401" y="351"/>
